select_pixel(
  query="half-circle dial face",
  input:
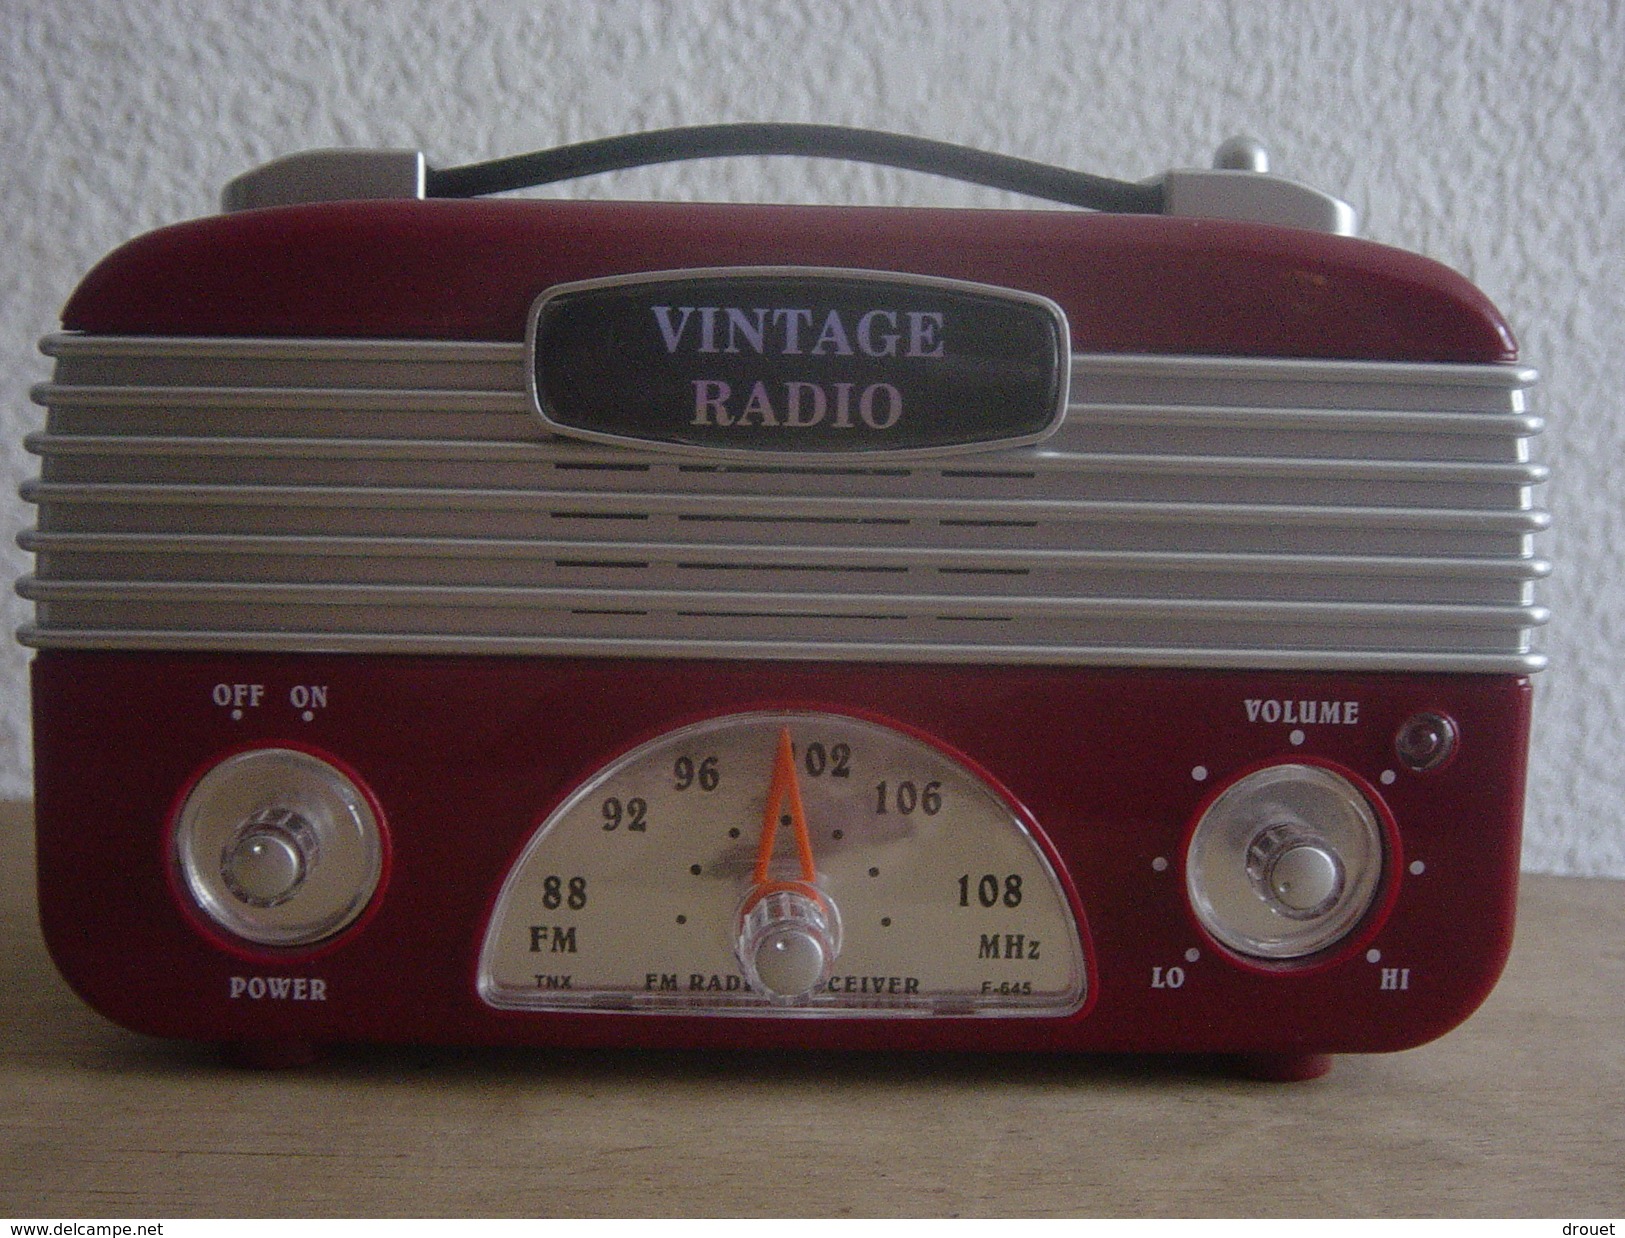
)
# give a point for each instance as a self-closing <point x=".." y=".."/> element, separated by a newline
<point x="794" y="864"/>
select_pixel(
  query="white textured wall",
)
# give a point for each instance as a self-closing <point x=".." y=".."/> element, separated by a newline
<point x="1486" y="135"/>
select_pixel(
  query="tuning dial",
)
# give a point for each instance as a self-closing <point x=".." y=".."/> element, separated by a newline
<point x="787" y="941"/>
<point x="1285" y="862"/>
<point x="278" y="847"/>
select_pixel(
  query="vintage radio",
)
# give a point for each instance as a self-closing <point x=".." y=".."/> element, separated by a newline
<point x="548" y="622"/>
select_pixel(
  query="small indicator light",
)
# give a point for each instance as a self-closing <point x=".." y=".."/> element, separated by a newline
<point x="1425" y="741"/>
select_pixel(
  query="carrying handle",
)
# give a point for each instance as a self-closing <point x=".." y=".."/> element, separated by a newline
<point x="1238" y="187"/>
<point x="963" y="163"/>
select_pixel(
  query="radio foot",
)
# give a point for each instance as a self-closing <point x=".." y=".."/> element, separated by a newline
<point x="1282" y="1067"/>
<point x="272" y="1054"/>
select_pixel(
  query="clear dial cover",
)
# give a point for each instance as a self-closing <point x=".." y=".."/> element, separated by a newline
<point x="644" y="890"/>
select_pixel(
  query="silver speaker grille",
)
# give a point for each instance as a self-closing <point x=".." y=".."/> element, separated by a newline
<point x="401" y="496"/>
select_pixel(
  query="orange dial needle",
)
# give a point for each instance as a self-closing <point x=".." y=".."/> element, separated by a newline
<point x="781" y="787"/>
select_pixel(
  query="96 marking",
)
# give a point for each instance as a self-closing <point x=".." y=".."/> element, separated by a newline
<point x="687" y="772"/>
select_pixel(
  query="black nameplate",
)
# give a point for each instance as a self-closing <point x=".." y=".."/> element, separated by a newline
<point x="793" y="361"/>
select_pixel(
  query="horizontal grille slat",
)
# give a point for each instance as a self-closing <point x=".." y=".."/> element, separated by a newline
<point x="858" y="618"/>
<point x="319" y="399"/>
<point x="307" y="461"/>
<point x="108" y="450"/>
<point x="491" y="561"/>
<point x="770" y="507"/>
<point x="822" y="604"/>
<point x="402" y="495"/>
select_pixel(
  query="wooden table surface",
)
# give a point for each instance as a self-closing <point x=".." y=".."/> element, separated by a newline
<point x="1520" y="1112"/>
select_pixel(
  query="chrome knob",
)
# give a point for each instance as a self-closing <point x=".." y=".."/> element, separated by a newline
<point x="787" y="942"/>
<point x="278" y="847"/>
<point x="1285" y="862"/>
<point x="266" y="861"/>
<point x="1295" y="872"/>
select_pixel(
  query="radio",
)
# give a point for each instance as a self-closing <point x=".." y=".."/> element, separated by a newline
<point x="560" y="623"/>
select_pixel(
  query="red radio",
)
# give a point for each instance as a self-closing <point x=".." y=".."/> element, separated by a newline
<point x="649" y="624"/>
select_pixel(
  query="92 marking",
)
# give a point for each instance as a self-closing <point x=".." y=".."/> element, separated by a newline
<point x="634" y="813"/>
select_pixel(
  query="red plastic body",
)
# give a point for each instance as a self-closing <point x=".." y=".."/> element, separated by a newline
<point x="465" y="756"/>
<point x="471" y="270"/>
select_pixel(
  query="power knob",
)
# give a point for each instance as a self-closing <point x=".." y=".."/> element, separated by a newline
<point x="1285" y="862"/>
<point x="269" y="857"/>
<point x="278" y="847"/>
<point x="787" y="940"/>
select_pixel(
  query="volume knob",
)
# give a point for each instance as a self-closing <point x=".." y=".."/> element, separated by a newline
<point x="1285" y="862"/>
<point x="1297" y="873"/>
